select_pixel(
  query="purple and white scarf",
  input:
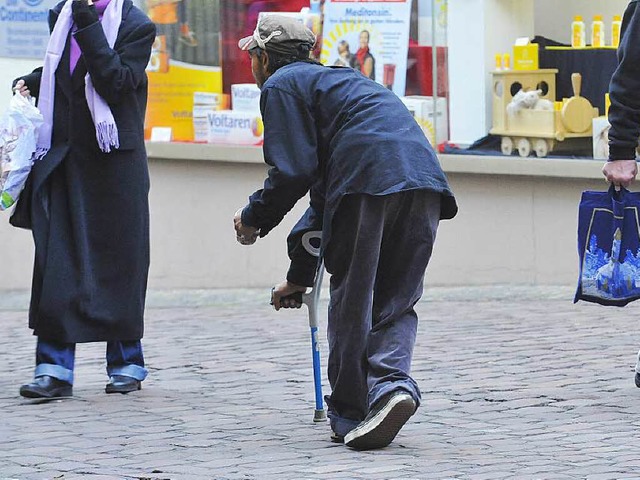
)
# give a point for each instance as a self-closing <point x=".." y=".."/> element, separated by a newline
<point x="105" y="124"/>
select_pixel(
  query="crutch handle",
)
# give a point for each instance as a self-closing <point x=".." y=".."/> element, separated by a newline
<point x="309" y="299"/>
<point x="294" y="296"/>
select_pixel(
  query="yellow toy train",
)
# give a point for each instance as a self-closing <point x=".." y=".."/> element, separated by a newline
<point x="538" y="129"/>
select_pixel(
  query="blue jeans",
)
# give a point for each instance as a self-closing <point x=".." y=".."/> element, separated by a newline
<point x="56" y="359"/>
<point x="377" y="257"/>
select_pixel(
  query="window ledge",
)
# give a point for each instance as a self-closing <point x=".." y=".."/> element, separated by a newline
<point x="469" y="164"/>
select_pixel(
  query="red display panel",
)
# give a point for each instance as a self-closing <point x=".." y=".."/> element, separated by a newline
<point x="239" y="18"/>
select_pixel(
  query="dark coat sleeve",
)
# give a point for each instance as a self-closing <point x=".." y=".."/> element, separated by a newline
<point x="290" y="148"/>
<point x="119" y="71"/>
<point x="624" y="90"/>
<point x="302" y="270"/>
<point x="32" y="81"/>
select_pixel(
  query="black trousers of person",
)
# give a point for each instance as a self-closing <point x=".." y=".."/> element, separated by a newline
<point x="377" y="256"/>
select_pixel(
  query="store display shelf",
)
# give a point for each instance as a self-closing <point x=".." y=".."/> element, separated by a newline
<point x="204" y="152"/>
<point x="459" y="164"/>
<point x="528" y="167"/>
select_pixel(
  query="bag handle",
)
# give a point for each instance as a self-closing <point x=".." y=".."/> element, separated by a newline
<point x="617" y="192"/>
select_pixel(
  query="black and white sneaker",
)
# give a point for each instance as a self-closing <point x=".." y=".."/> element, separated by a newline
<point x="383" y="422"/>
<point x="637" y="379"/>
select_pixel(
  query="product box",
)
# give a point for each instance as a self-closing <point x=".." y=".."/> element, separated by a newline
<point x="525" y="55"/>
<point x="600" y="138"/>
<point x="245" y="97"/>
<point x="218" y="100"/>
<point x="423" y="111"/>
<point x="201" y="122"/>
<point x="203" y="103"/>
<point x="231" y="127"/>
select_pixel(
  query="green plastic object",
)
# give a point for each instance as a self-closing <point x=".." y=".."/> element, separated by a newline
<point x="6" y="201"/>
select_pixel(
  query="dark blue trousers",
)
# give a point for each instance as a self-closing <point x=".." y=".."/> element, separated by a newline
<point x="377" y="256"/>
<point x="57" y="359"/>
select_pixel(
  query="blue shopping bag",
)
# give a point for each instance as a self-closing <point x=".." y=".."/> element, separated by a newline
<point x="609" y="247"/>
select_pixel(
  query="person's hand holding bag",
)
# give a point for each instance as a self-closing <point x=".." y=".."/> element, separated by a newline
<point x="84" y="13"/>
<point x="620" y="172"/>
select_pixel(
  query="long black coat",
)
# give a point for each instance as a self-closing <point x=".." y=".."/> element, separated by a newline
<point x="89" y="210"/>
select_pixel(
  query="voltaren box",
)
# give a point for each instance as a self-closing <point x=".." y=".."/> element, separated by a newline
<point x="435" y="126"/>
<point x="245" y="97"/>
<point x="218" y="100"/>
<point x="203" y="103"/>
<point x="201" y="122"/>
<point x="235" y="128"/>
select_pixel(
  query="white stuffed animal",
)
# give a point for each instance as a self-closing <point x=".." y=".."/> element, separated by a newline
<point x="530" y="100"/>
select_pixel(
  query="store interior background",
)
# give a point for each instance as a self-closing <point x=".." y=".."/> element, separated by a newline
<point x="478" y="29"/>
<point x="517" y="216"/>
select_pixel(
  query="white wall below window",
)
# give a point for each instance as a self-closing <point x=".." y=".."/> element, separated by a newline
<point x="517" y="222"/>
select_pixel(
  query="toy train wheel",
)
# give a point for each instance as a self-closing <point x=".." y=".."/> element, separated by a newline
<point x="541" y="147"/>
<point x="506" y="145"/>
<point x="524" y="147"/>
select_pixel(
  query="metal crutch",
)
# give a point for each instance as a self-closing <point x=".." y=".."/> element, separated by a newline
<point x="311" y="300"/>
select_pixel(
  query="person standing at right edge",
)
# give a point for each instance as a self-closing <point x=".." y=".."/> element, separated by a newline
<point x="86" y="200"/>
<point x="624" y="112"/>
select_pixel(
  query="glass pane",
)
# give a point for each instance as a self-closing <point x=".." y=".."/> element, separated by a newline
<point x="427" y="69"/>
<point x="239" y="20"/>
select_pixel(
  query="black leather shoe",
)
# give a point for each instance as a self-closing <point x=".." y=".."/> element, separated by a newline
<point x="122" y="384"/>
<point x="45" y="386"/>
<point x="637" y="379"/>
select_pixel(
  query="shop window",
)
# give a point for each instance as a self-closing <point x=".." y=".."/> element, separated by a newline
<point x="196" y="51"/>
<point x="239" y="20"/>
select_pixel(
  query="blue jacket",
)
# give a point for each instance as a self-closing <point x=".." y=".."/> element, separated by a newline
<point x="624" y="90"/>
<point x="333" y="132"/>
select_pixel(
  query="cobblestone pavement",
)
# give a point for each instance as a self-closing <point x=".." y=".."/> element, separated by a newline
<point x="517" y="383"/>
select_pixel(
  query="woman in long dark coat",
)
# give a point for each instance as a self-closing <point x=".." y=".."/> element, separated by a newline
<point x="86" y="201"/>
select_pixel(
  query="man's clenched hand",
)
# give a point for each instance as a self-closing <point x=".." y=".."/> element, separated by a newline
<point x="620" y="172"/>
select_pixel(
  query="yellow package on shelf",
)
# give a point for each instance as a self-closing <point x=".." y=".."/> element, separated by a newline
<point x="525" y="56"/>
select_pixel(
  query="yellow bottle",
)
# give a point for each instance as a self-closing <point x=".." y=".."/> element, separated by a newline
<point x="506" y="61"/>
<point x="597" y="32"/>
<point x="616" y="26"/>
<point x="577" y="33"/>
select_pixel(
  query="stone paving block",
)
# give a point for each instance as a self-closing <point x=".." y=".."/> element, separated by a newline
<point x="511" y="379"/>
<point x="612" y="475"/>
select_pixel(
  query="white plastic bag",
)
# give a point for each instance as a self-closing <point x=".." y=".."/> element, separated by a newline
<point x="18" y="136"/>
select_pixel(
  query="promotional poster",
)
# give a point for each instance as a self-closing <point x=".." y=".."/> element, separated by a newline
<point x="370" y="36"/>
<point x="185" y="58"/>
